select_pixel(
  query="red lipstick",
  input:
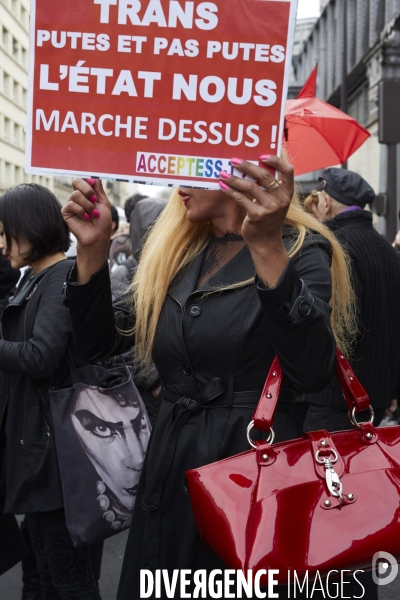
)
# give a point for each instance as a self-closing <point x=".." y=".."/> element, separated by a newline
<point x="185" y="197"/>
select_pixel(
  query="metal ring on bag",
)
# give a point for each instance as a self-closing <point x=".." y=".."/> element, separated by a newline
<point x="322" y="462"/>
<point x="269" y="440"/>
<point x="352" y="417"/>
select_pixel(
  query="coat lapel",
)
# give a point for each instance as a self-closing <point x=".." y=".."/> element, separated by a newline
<point x="185" y="282"/>
<point x="23" y="293"/>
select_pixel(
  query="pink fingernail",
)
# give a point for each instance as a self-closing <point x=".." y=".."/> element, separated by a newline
<point x="223" y="186"/>
<point x="86" y="216"/>
<point x="93" y="198"/>
<point x="265" y="157"/>
<point x="224" y="175"/>
<point x="90" y="181"/>
<point x="236" y="161"/>
<point x="95" y="213"/>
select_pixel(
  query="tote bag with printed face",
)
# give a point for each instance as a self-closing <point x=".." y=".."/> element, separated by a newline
<point x="101" y="431"/>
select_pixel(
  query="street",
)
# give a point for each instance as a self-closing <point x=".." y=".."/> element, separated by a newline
<point x="10" y="583"/>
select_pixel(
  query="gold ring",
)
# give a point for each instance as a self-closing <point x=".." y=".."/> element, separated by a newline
<point x="273" y="186"/>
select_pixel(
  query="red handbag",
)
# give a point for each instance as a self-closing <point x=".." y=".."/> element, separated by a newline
<point x="320" y="503"/>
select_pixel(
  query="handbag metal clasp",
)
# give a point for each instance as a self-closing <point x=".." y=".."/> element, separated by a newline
<point x="333" y="482"/>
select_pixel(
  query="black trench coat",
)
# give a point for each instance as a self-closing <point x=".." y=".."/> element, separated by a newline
<point x="215" y="349"/>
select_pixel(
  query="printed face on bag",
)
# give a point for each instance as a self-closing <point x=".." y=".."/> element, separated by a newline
<point x="114" y="435"/>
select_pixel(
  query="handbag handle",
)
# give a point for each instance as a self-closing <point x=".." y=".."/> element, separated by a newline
<point x="354" y="394"/>
<point x="72" y="367"/>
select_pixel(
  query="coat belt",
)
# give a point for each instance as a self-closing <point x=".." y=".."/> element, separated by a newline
<point x="211" y="396"/>
<point x="223" y="400"/>
<point x="186" y="407"/>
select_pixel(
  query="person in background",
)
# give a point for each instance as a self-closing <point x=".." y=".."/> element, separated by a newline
<point x="120" y="248"/>
<point x="127" y="238"/>
<point x="120" y="244"/>
<point x="130" y="205"/>
<point x="311" y="204"/>
<point x="396" y="243"/>
<point x="114" y="220"/>
<point x="10" y="281"/>
<point x="12" y="547"/>
<point x="146" y="378"/>
<point x="8" y="277"/>
<point x="375" y="269"/>
<point x="146" y="213"/>
<point x="36" y="330"/>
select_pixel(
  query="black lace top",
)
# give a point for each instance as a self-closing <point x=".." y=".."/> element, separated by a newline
<point x="219" y="252"/>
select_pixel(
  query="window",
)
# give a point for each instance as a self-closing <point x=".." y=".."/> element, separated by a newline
<point x="24" y="57"/>
<point x="380" y="20"/>
<point x="7" y="174"/>
<point x="7" y="126"/>
<point x="24" y="97"/>
<point x="15" y="91"/>
<point x="15" y="48"/>
<point x="16" y="138"/>
<point x="14" y="6"/>
<point x="4" y="37"/>
<point x="358" y="106"/>
<point x="6" y="84"/>
<point x="19" y="176"/>
<point x="24" y="17"/>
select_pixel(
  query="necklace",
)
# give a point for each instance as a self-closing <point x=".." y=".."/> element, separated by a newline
<point x="216" y="252"/>
<point x="227" y="237"/>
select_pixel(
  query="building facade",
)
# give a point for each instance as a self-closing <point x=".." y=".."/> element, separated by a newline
<point x="303" y="29"/>
<point x="358" y="42"/>
<point x="14" y="48"/>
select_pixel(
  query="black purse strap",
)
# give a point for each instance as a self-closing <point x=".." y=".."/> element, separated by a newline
<point x="75" y="377"/>
<point x="72" y="367"/>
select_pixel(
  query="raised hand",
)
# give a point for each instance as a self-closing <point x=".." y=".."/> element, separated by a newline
<point x="266" y="211"/>
<point x="88" y="213"/>
<point x="88" y="216"/>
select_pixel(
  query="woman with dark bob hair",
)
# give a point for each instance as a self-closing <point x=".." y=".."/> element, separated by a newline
<point x="36" y="331"/>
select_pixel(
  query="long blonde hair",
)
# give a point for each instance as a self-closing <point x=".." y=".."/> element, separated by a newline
<point x="174" y="242"/>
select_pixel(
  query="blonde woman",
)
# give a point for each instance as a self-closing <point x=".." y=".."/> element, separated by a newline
<point x="227" y="279"/>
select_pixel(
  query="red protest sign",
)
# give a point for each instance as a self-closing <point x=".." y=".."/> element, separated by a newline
<point x="157" y="91"/>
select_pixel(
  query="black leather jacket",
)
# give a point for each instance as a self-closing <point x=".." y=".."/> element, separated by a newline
<point x="36" y="331"/>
